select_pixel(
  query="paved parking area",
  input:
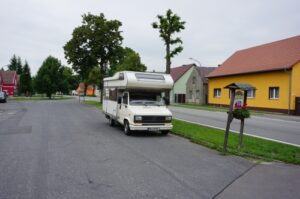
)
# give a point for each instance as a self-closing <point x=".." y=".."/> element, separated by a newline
<point x="63" y="149"/>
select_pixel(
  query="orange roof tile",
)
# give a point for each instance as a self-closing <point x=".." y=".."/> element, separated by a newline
<point x="278" y="55"/>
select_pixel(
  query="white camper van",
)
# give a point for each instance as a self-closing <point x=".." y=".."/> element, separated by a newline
<point x="136" y="101"/>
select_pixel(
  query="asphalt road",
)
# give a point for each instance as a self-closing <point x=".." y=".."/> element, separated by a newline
<point x="63" y="149"/>
<point x="278" y="127"/>
<point x="282" y="128"/>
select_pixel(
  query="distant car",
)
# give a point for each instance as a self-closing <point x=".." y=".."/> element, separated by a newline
<point x="3" y="97"/>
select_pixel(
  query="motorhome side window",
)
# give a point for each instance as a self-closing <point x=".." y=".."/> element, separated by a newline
<point x="125" y="98"/>
<point x="113" y="94"/>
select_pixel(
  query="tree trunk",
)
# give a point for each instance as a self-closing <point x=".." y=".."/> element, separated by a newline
<point x="94" y="89"/>
<point x="84" y="90"/>
<point x="168" y="59"/>
<point x="168" y="66"/>
<point x="103" y="68"/>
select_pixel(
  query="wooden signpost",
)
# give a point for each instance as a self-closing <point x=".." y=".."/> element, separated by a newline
<point x="242" y="87"/>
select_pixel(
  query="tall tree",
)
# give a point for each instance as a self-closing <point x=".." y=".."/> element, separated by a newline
<point x="26" y="80"/>
<point x="74" y="81"/>
<point x="95" y="77"/>
<point x="49" y="77"/>
<point x="93" y="44"/>
<point x="13" y="63"/>
<point x="128" y="60"/>
<point x="168" y="25"/>
<point x="19" y="68"/>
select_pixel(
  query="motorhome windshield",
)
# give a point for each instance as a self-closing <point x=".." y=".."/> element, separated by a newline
<point x="146" y="99"/>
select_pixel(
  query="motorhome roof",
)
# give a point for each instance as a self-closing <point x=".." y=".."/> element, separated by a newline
<point x="131" y="79"/>
<point x="117" y="75"/>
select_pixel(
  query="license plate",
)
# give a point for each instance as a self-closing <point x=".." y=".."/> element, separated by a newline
<point x="153" y="129"/>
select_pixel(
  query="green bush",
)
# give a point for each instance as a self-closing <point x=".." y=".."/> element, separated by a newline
<point x="241" y="113"/>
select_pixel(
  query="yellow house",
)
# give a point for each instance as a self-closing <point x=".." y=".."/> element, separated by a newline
<point x="273" y="69"/>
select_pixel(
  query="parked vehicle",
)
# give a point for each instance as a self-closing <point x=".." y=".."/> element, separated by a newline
<point x="3" y="96"/>
<point x="136" y="101"/>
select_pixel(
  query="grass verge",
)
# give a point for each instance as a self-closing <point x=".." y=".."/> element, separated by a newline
<point x="252" y="147"/>
<point x="39" y="98"/>
<point x="201" y="107"/>
<point x="93" y="103"/>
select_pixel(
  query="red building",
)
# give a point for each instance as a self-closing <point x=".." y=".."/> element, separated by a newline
<point x="9" y="82"/>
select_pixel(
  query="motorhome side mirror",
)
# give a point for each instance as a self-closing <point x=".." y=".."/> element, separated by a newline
<point x="167" y="101"/>
<point x="119" y="100"/>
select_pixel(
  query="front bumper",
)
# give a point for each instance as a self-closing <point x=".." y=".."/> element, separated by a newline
<point x="149" y="127"/>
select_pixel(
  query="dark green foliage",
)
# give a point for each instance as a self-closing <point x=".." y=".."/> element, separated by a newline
<point x="25" y="80"/>
<point x="168" y="25"/>
<point x="50" y="77"/>
<point x="65" y="74"/>
<point x="19" y="68"/>
<point x="93" y="44"/>
<point x="13" y="63"/>
<point x="128" y="60"/>
<point x="95" y="77"/>
<point x="241" y="113"/>
<point x="74" y="81"/>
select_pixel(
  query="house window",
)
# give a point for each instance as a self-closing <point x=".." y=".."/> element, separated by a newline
<point x="194" y="80"/>
<point x="251" y="93"/>
<point x="274" y="93"/>
<point x="198" y="94"/>
<point x="217" y="92"/>
<point x="191" y="94"/>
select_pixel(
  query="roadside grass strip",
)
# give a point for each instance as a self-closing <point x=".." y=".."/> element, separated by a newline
<point x="253" y="147"/>
<point x="39" y="98"/>
<point x="93" y="103"/>
<point x="201" y="107"/>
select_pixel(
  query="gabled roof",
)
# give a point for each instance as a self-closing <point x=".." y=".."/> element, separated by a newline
<point x="278" y="55"/>
<point x="177" y="72"/>
<point x="8" y="77"/>
<point x="204" y="71"/>
<point x="242" y="86"/>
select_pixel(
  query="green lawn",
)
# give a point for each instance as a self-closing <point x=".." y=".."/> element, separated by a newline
<point x="252" y="147"/>
<point x="93" y="103"/>
<point x="39" y="97"/>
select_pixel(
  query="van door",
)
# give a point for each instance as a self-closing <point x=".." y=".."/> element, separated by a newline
<point x="123" y="108"/>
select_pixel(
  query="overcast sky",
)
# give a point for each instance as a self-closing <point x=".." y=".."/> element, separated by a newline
<point x="215" y="29"/>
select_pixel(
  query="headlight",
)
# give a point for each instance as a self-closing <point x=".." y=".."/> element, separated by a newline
<point x="168" y="118"/>
<point x="137" y="118"/>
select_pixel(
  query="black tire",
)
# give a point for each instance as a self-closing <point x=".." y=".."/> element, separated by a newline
<point x="127" y="130"/>
<point x="111" y="122"/>
<point x="165" y="132"/>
